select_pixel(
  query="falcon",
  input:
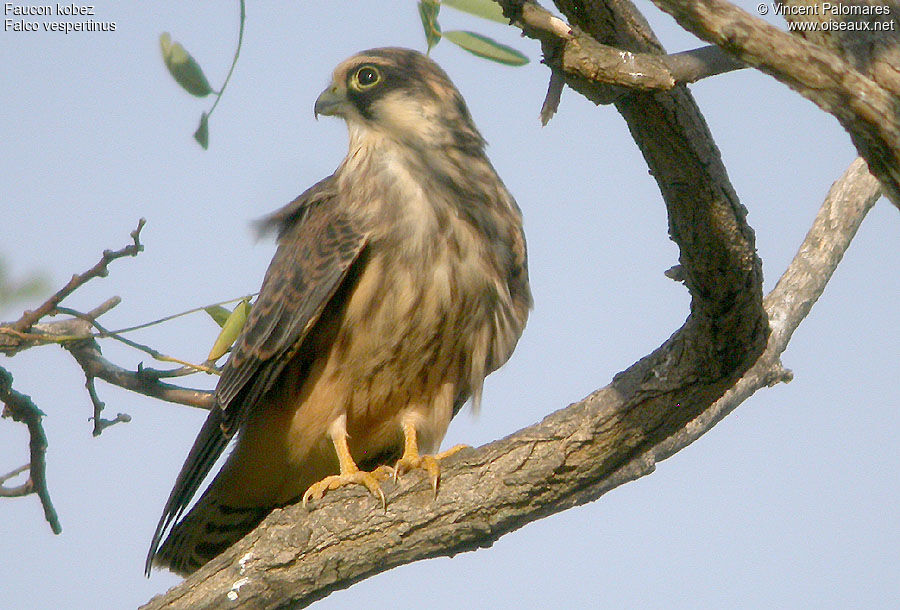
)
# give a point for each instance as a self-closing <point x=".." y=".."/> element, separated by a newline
<point x="399" y="283"/>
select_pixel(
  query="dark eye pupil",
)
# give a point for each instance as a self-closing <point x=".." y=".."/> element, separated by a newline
<point x="367" y="76"/>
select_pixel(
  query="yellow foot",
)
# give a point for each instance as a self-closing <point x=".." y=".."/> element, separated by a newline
<point x="370" y="480"/>
<point x="428" y="463"/>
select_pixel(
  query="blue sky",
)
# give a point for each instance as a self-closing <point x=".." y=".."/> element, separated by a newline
<point x="790" y="502"/>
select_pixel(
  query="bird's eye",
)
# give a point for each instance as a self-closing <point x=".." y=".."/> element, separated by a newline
<point x="366" y="77"/>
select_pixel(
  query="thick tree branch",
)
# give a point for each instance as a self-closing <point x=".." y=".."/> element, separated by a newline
<point x="575" y="53"/>
<point x="872" y="46"/>
<point x="845" y="207"/>
<point x="866" y="109"/>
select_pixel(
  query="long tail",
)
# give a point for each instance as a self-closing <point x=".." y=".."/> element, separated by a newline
<point x="207" y="530"/>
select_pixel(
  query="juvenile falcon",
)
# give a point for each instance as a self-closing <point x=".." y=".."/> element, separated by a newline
<point x="399" y="283"/>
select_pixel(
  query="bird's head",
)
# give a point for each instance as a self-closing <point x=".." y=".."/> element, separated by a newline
<point x="402" y="94"/>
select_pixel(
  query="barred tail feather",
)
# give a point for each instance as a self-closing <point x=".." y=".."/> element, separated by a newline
<point x="207" y="530"/>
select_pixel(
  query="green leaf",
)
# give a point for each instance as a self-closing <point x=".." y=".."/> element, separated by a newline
<point x="428" y="12"/>
<point x="218" y="313"/>
<point x="482" y="46"/>
<point x="202" y="133"/>
<point x="486" y="9"/>
<point x="230" y="330"/>
<point x="183" y="68"/>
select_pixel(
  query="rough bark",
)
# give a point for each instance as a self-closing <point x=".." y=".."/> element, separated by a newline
<point x="865" y="108"/>
<point x="873" y="50"/>
<point x="576" y="53"/>
<point x="798" y="289"/>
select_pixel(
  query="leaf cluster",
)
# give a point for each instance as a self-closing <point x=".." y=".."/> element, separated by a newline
<point x="477" y="44"/>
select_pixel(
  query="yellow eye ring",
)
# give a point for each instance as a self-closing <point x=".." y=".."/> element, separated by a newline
<point x="366" y="77"/>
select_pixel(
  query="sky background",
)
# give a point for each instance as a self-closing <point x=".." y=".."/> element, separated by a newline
<point x="792" y="501"/>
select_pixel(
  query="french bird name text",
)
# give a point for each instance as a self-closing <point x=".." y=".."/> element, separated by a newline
<point x="48" y="9"/>
<point x="68" y="9"/>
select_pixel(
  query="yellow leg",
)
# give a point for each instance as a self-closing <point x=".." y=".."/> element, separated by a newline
<point x="411" y="459"/>
<point x="350" y="473"/>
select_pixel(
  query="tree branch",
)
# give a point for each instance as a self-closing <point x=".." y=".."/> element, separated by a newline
<point x="75" y="335"/>
<point x="89" y="357"/>
<point x="20" y="490"/>
<point x="866" y="109"/>
<point x="21" y="409"/>
<point x="846" y="205"/>
<point x="575" y="53"/>
<point x="101" y="269"/>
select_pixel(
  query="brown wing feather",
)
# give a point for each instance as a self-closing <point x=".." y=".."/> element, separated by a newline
<point x="317" y="246"/>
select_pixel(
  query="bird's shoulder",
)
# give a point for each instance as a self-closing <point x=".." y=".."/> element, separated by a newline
<point x="279" y="221"/>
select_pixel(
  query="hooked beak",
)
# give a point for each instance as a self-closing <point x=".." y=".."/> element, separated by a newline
<point x="330" y="102"/>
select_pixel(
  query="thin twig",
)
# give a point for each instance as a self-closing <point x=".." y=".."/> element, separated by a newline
<point x="103" y="308"/>
<point x="237" y="53"/>
<point x="176" y="315"/>
<point x="156" y="374"/>
<point x="155" y="354"/>
<point x="101" y="269"/>
<point x="20" y="490"/>
<point x="98" y="404"/>
<point x="551" y="100"/>
<point x="24" y="340"/>
<point x="101" y="424"/>
<point x="88" y="355"/>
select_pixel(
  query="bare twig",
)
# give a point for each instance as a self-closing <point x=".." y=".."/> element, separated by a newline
<point x="13" y="341"/>
<point x="551" y="100"/>
<point x="101" y="269"/>
<point x="696" y="64"/>
<point x="121" y="331"/>
<point x="20" y="490"/>
<point x="102" y="308"/>
<point x="75" y="335"/>
<point x="156" y="374"/>
<point x="100" y="424"/>
<point x="155" y="354"/>
<point x="21" y="409"/>
<point x="89" y="356"/>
